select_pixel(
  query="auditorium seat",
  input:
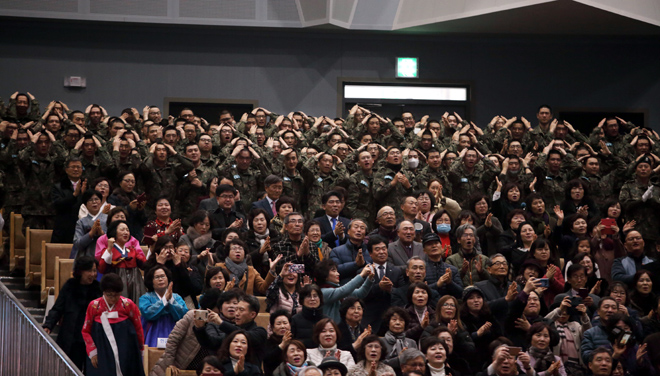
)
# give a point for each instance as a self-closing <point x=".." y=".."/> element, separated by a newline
<point x="63" y="271"/>
<point x="49" y="252"/>
<point x="33" y="245"/>
<point x="16" y="242"/>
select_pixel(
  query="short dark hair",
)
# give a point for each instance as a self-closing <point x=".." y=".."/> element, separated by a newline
<point x="209" y="299"/>
<point x="226" y="296"/>
<point x="418" y="285"/>
<point x="112" y="282"/>
<point x="222" y="188"/>
<point x="254" y="214"/>
<point x="374" y="240"/>
<point x="538" y="327"/>
<point x="112" y="228"/>
<point x="252" y="301"/>
<point x="198" y="217"/>
<point x="211" y="360"/>
<point x="320" y="325"/>
<point x="309" y="225"/>
<point x="326" y="196"/>
<point x="272" y="179"/>
<point x="574" y="268"/>
<point x="298" y="344"/>
<point x="149" y="277"/>
<point x="223" y="353"/>
<point x="387" y="316"/>
<point x="430" y="341"/>
<point x="367" y="340"/>
<point x="113" y="212"/>
<point x="83" y="264"/>
<point x="278" y="313"/>
<point x="599" y="350"/>
<point x="348" y="303"/>
<point x="307" y="289"/>
<point x="91" y="193"/>
<point x="286" y="200"/>
<point x="211" y="272"/>
<point x="322" y="270"/>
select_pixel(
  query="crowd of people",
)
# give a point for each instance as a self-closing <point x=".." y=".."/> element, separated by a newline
<point x="404" y="246"/>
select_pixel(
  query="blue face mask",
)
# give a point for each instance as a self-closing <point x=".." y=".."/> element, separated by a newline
<point x="443" y="228"/>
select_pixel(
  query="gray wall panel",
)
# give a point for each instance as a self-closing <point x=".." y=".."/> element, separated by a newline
<point x="287" y="70"/>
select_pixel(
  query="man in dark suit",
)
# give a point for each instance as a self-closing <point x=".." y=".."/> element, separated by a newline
<point x="225" y="215"/>
<point x="332" y="225"/>
<point x="273" y="185"/>
<point x="353" y="255"/>
<point x="416" y="272"/>
<point x="496" y="287"/>
<point x="403" y="249"/>
<point x="388" y="277"/>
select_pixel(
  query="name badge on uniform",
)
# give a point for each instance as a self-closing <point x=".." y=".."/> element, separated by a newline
<point x="608" y="144"/>
<point x="364" y="183"/>
<point x="286" y="178"/>
<point x="548" y="178"/>
<point x="388" y="177"/>
<point x="113" y="315"/>
<point x="236" y="177"/>
<point x="320" y="179"/>
<point x="233" y="166"/>
<point x="464" y="180"/>
<point x="35" y="162"/>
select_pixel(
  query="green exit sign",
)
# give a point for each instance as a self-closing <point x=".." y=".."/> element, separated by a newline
<point x="406" y="67"/>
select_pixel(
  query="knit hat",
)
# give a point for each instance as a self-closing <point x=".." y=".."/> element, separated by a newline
<point x="469" y="290"/>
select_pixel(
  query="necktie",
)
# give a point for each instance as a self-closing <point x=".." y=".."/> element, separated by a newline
<point x="334" y="224"/>
<point x="272" y="206"/>
<point x="381" y="272"/>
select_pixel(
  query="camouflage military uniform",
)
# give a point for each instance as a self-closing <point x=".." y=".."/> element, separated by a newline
<point x="189" y="194"/>
<point x="307" y="194"/>
<point x="14" y="180"/>
<point x="39" y="176"/>
<point x="387" y="195"/>
<point x="249" y="182"/>
<point x="465" y="184"/>
<point x="33" y="113"/>
<point x="602" y="188"/>
<point x="99" y="165"/>
<point x="426" y="174"/>
<point x="163" y="181"/>
<point x="360" y="201"/>
<point x="646" y="213"/>
<point x="551" y="187"/>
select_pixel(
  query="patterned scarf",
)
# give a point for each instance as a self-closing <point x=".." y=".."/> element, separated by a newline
<point x="236" y="271"/>
<point x="544" y="358"/>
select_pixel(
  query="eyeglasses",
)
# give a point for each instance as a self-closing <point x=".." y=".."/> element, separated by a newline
<point x="160" y="277"/>
<point x="388" y="214"/>
<point x="227" y="197"/>
<point x="449" y="305"/>
<point x="500" y="263"/>
<point x="618" y="292"/>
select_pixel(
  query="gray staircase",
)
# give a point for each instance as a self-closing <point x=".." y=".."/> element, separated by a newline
<point x="30" y="298"/>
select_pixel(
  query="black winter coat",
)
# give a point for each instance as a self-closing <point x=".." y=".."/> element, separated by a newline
<point x="302" y="325"/>
<point x="71" y="307"/>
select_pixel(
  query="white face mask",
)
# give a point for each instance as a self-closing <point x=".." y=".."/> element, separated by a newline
<point x="413" y="163"/>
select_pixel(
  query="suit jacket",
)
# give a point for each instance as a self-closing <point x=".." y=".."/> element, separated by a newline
<point x="378" y="301"/>
<point x="209" y="204"/>
<point x="398" y="255"/>
<point x="327" y="234"/>
<point x="263" y="204"/>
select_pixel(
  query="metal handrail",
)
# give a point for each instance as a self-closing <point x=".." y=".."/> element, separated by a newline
<point x="25" y="348"/>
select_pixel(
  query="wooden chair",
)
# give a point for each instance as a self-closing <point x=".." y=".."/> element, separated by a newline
<point x="151" y="357"/>
<point x="263" y="320"/>
<point x="63" y="271"/>
<point x="33" y="240"/>
<point x="262" y="303"/>
<point x="16" y="242"/>
<point x="182" y="372"/>
<point x="49" y="252"/>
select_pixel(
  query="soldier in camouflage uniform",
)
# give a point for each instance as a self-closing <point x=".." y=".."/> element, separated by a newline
<point x="360" y="202"/>
<point x="14" y="179"/>
<point x="247" y="170"/>
<point x="328" y="170"/>
<point x="553" y="169"/>
<point x="37" y="163"/>
<point x="640" y="200"/>
<point x="23" y="108"/>
<point x="392" y="182"/>
<point x="162" y="175"/>
<point x="306" y="193"/>
<point x="602" y="187"/>
<point x="96" y="161"/>
<point x="194" y="185"/>
<point x="94" y="120"/>
<point x="469" y="174"/>
<point x="433" y="170"/>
